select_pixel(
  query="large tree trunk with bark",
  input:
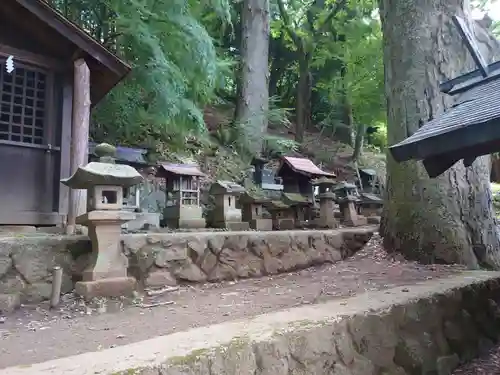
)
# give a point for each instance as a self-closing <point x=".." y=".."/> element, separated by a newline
<point x="304" y="90"/>
<point x="253" y="93"/>
<point x="450" y="218"/>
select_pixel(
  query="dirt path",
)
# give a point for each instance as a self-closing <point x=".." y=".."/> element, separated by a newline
<point x="36" y="334"/>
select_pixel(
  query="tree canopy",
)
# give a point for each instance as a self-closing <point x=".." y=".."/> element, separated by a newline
<point x="324" y="58"/>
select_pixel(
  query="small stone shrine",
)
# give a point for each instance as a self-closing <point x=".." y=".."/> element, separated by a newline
<point x="252" y="211"/>
<point x="326" y="203"/>
<point x="182" y="189"/>
<point x="301" y="206"/>
<point x="347" y="199"/>
<point x="371" y="205"/>
<point x="106" y="274"/>
<point x="283" y="216"/>
<point x="225" y="213"/>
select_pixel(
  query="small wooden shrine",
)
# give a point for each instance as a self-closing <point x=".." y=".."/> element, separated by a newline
<point x="52" y="73"/>
<point x="225" y="212"/>
<point x="106" y="274"/>
<point x="182" y="200"/>
<point x="252" y="211"/>
<point x="326" y="197"/>
<point x="297" y="175"/>
<point x="348" y="199"/>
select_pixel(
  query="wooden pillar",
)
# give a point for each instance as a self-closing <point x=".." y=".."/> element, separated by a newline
<point x="79" y="139"/>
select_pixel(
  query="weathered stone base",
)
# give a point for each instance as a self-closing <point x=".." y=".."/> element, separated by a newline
<point x="428" y="328"/>
<point x="359" y="221"/>
<point x="261" y="224"/>
<point x="113" y="287"/>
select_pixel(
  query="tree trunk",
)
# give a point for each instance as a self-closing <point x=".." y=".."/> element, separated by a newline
<point x="358" y="142"/>
<point x="303" y="107"/>
<point x="253" y="98"/>
<point x="450" y="218"/>
<point x="344" y="133"/>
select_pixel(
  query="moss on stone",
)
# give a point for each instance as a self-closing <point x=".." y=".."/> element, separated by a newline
<point x="129" y="371"/>
<point x="188" y="359"/>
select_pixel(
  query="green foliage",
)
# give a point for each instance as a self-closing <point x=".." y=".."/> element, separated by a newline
<point x="175" y="65"/>
<point x="379" y="138"/>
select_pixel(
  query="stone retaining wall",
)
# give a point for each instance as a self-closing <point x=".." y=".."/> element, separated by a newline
<point x="169" y="258"/>
<point x="428" y="328"/>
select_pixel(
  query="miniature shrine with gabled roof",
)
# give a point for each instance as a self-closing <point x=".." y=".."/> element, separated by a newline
<point x="298" y="190"/>
<point x="182" y="200"/>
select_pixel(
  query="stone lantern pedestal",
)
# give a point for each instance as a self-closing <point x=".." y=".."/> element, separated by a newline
<point x="106" y="273"/>
<point x="326" y="203"/>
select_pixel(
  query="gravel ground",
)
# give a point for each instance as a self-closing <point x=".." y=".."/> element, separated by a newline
<point x="486" y="365"/>
<point x="36" y="334"/>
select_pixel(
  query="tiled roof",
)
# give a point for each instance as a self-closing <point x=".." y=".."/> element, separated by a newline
<point x="305" y="166"/>
<point x="183" y="169"/>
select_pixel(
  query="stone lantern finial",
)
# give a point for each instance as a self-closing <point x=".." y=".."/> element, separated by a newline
<point x="106" y="153"/>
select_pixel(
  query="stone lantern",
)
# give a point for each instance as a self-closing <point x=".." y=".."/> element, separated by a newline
<point x="105" y="181"/>
<point x="326" y="203"/>
<point x="347" y="199"/>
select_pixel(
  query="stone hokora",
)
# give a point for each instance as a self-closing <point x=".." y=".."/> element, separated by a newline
<point x="348" y="199"/>
<point x="106" y="274"/>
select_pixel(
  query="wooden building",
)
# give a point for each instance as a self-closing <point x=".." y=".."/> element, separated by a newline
<point x="297" y="175"/>
<point x="59" y="73"/>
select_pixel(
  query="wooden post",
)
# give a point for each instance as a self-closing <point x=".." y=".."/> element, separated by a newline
<point x="79" y="139"/>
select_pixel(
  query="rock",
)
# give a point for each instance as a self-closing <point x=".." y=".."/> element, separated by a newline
<point x="133" y="243"/>
<point x="221" y="272"/>
<point x="334" y="239"/>
<point x="216" y="243"/>
<point x="33" y="260"/>
<point x="189" y="272"/>
<point x="37" y="292"/>
<point x="293" y="259"/>
<point x="208" y="262"/>
<point x="5" y="264"/>
<point x="160" y="278"/>
<point x="242" y="262"/>
<point x="238" y="358"/>
<point x="278" y="243"/>
<point x="236" y="242"/>
<point x="9" y="302"/>
<point x="447" y="364"/>
<point x="197" y="245"/>
<point x="272" y="265"/>
<point x="12" y="283"/>
<point x="166" y="255"/>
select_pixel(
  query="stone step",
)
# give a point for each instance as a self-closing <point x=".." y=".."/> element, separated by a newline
<point x="430" y="327"/>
